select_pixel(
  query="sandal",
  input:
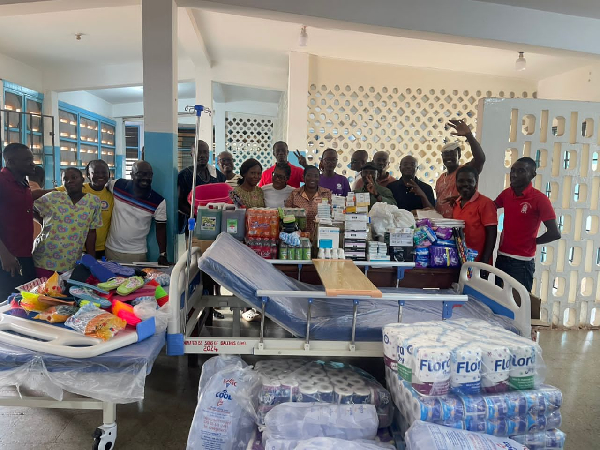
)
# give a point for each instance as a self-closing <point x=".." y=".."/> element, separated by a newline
<point x="131" y="285"/>
<point x="86" y="295"/>
<point x="112" y="283"/>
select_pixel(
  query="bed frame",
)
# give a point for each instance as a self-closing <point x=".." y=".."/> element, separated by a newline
<point x="183" y="322"/>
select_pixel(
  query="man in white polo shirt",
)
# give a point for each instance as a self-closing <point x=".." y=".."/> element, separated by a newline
<point x="135" y="205"/>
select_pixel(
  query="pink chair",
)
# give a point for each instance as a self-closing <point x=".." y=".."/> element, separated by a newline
<point x="211" y="193"/>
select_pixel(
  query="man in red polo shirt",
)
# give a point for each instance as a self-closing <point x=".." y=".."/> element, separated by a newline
<point x="524" y="209"/>
<point x="280" y="151"/>
<point x="16" y="225"/>
<point x="478" y="212"/>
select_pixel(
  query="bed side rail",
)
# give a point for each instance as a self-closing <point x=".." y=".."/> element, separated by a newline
<point x="501" y="300"/>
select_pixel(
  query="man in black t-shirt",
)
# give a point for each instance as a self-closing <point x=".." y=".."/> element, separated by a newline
<point x="409" y="192"/>
<point x="185" y="181"/>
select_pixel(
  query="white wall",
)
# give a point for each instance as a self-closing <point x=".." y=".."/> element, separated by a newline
<point x="20" y="73"/>
<point x="87" y="101"/>
<point x="581" y="84"/>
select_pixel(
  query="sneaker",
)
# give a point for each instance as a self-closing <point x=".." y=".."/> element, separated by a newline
<point x="251" y="316"/>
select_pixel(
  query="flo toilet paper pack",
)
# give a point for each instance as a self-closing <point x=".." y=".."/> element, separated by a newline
<point x="463" y="356"/>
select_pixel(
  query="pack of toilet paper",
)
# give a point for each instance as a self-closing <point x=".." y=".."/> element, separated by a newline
<point x="465" y="356"/>
<point x="303" y="381"/>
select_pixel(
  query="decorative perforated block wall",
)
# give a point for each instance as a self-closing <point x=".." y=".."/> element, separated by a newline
<point x="249" y="136"/>
<point x="401" y="110"/>
<point x="563" y="137"/>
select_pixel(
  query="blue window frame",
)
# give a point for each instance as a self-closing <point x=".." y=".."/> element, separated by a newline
<point x="85" y="136"/>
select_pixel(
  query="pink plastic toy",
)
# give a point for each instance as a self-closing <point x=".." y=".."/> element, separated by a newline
<point x="125" y="312"/>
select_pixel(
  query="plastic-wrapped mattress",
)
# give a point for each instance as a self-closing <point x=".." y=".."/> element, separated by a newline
<point x="236" y="267"/>
<point x="118" y="376"/>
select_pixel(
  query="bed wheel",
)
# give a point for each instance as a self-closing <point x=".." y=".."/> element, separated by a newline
<point x="105" y="437"/>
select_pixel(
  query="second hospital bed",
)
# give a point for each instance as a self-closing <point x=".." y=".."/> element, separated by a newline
<point x="322" y="325"/>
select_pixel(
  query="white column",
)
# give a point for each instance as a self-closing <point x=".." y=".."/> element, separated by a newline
<point x="120" y="148"/>
<point x="159" y="51"/>
<point x="297" y="101"/>
<point x="204" y="97"/>
<point x="51" y="165"/>
<point x="219" y="123"/>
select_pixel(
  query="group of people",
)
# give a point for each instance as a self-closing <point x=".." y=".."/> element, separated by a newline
<point x="113" y="218"/>
<point x="455" y="195"/>
<point x="47" y="231"/>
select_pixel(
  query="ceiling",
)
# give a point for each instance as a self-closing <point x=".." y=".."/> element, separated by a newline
<point x="112" y="36"/>
<point x="251" y="39"/>
<point x="582" y="8"/>
<point x="223" y="93"/>
<point x="135" y="94"/>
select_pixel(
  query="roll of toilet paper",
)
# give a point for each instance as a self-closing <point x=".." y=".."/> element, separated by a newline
<point x="495" y="367"/>
<point x="431" y="375"/>
<point x="465" y="369"/>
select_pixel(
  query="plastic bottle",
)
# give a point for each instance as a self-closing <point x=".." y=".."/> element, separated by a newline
<point x="273" y="249"/>
<point x="327" y="253"/>
<point x="321" y="254"/>
<point x="274" y="224"/>
<point x="341" y="254"/>
<point x="283" y="250"/>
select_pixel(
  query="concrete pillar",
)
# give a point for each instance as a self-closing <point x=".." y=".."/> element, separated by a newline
<point x="297" y="101"/>
<point x="51" y="164"/>
<point x="120" y="148"/>
<point x="159" y="51"/>
<point x="204" y="97"/>
<point x="219" y="123"/>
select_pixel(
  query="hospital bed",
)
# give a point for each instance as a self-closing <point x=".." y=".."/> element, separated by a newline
<point x="319" y="324"/>
<point x="43" y="366"/>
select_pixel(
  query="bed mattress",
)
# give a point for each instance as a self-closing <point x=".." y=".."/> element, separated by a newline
<point x="236" y="267"/>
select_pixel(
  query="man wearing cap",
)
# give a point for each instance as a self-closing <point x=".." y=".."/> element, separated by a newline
<point x="370" y="174"/>
<point x="445" y="187"/>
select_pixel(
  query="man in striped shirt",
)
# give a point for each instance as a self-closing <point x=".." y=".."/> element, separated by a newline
<point x="135" y="205"/>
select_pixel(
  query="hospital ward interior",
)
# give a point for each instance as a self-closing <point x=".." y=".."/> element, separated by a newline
<point x="283" y="225"/>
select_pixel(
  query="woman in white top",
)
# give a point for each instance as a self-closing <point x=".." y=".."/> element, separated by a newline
<point x="277" y="192"/>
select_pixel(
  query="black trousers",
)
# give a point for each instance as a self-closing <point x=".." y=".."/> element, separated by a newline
<point x="522" y="271"/>
<point x="8" y="283"/>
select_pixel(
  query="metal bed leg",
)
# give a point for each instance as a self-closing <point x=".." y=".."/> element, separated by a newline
<point x="307" y="344"/>
<point x="354" y="314"/>
<point x="400" y="310"/>
<point x="106" y="435"/>
<point x="399" y="275"/>
<point x="262" y="323"/>
<point x="235" y="332"/>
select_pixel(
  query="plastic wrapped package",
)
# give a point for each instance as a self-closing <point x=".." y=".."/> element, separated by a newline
<point x="95" y="322"/>
<point x="443" y="256"/>
<point x="148" y="307"/>
<point x="384" y="216"/>
<point x="294" y="422"/>
<point x="225" y="417"/>
<point x="547" y="440"/>
<point x="325" y="443"/>
<point x="299" y="381"/>
<point x="331" y="319"/>
<point x="57" y="314"/>
<point x="503" y="414"/>
<point x="118" y="376"/>
<point x="462" y="358"/>
<point x="216" y="364"/>
<point x="429" y="436"/>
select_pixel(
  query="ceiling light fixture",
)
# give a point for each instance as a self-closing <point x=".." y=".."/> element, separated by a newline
<point x="303" y="40"/>
<point x="520" y="63"/>
<point x="78" y="36"/>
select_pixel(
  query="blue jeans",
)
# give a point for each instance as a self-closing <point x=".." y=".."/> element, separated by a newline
<point x="522" y="271"/>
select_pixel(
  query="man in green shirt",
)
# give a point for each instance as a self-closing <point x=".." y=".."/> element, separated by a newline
<point x="369" y="174"/>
